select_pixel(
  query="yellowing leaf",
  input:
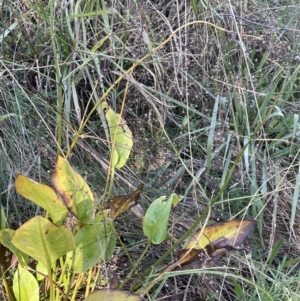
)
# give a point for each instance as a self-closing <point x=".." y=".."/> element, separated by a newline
<point x="74" y="191"/>
<point x="234" y="231"/>
<point x="42" y="195"/>
<point x="42" y="240"/>
<point x="112" y="295"/>
<point x="120" y="136"/>
<point x="215" y="241"/>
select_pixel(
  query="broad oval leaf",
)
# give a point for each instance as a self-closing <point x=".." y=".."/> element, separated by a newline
<point x="74" y="191"/>
<point x="94" y="242"/>
<point x="155" y="222"/>
<point x="235" y="231"/>
<point x="120" y="136"/>
<point x="42" y="195"/>
<point x="25" y="286"/>
<point x="42" y="240"/>
<point x="112" y="295"/>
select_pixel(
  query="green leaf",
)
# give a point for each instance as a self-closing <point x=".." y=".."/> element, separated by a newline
<point x="194" y="5"/>
<point x="5" y="239"/>
<point x="42" y="195"/>
<point x="155" y="222"/>
<point x="42" y="269"/>
<point x="239" y="293"/>
<point x="110" y="249"/>
<point x="74" y="191"/>
<point x="177" y="199"/>
<point x="120" y="136"/>
<point x="275" y="250"/>
<point x="44" y="241"/>
<point x="85" y="210"/>
<point x="93" y="243"/>
<point x="2" y="218"/>
<point x="112" y="295"/>
<point x="25" y="286"/>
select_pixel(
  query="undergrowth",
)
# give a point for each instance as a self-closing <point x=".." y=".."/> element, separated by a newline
<point x="210" y="91"/>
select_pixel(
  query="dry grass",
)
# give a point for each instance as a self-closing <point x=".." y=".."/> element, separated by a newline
<point x="193" y="104"/>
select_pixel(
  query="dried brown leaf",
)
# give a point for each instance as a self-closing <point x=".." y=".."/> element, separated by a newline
<point x="121" y="203"/>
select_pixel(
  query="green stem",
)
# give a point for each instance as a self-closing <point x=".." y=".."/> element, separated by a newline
<point x="59" y="116"/>
<point x="57" y="74"/>
<point x="111" y="181"/>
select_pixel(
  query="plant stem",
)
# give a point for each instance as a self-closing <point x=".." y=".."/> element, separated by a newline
<point x="58" y="75"/>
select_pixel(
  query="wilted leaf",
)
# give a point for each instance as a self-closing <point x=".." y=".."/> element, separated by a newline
<point x="156" y="219"/>
<point x="215" y="250"/>
<point x="42" y="240"/>
<point x="121" y="203"/>
<point x="215" y="241"/>
<point x="187" y="255"/>
<point x="235" y="231"/>
<point x="74" y="191"/>
<point x="112" y="295"/>
<point x="43" y="196"/>
<point x="94" y="242"/>
<point x="120" y="136"/>
<point x="25" y="286"/>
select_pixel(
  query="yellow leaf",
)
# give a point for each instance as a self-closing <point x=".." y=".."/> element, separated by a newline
<point x="112" y="295"/>
<point x="43" y="196"/>
<point x="234" y="231"/>
<point x="74" y="191"/>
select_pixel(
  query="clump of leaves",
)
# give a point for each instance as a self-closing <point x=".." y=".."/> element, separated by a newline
<point x="46" y="239"/>
<point x="93" y="240"/>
